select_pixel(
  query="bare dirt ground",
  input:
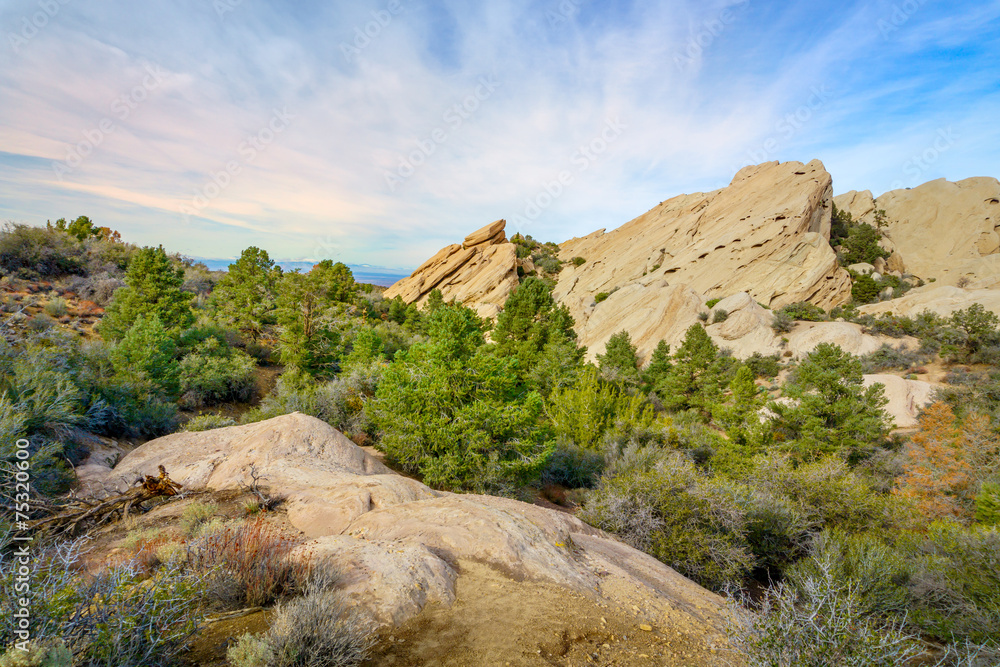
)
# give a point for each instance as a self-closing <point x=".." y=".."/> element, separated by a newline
<point x="498" y="622"/>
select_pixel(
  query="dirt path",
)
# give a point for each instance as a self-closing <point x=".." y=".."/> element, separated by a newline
<point x="497" y="622"/>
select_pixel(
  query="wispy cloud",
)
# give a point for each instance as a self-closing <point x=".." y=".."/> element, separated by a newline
<point x="562" y="71"/>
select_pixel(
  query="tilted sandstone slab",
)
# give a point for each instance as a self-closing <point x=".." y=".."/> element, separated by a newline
<point x="940" y="229"/>
<point x="767" y="234"/>
<point x="940" y="299"/>
<point x="480" y="272"/>
<point x="401" y="545"/>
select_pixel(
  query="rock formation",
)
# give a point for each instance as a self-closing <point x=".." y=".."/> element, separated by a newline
<point x="480" y="272"/>
<point x="941" y="230"/>
<point x="940" y="299"/>
<point x="906" y="397"/>
<point x="403" y="546"/>
<point x="767" y="234"/>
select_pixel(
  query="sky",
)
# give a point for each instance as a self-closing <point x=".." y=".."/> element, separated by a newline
<point x="378" y="132"/>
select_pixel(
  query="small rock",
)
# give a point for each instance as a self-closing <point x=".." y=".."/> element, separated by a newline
<point x="646" y="628"/>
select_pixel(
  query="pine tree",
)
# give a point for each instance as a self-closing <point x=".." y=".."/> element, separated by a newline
<point x="831" y="410"/>
<point x="529" y="322"/>
<point x="620" y="361"/>
<point x="245" y="297"/>
<point x="698" y="374"/>
<point x="152" y="288"/>
<point x="145" y="358"/>
<point x="305" y="307"/>
<point x="659" y="366"/>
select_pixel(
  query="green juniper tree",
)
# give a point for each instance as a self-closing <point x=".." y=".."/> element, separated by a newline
<point x="245" y="296"/>
<point x="533" y="329"/>
<point x="152" y="288"/>
<point x="305" y="305"/>
<point x="452" y="411"/>
<point x="698" y="374"/>
<point x="620" y="361"/>
<point x="832" y="412"/>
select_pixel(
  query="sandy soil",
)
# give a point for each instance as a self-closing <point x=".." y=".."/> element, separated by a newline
<point x="499" y="622"/>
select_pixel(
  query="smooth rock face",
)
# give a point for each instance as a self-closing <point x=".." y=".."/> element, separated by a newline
<point x="767" y="234"/>
<point x="481" y="272"/>
<point x="804" y="338"/>
<point x="940" y="230"/>
<point x="940" y="299"/>
<point x="400" y="544"/>
<point x="906" y="397"/>
<point x="327" y="479"/>
<point x="747" y="329"/>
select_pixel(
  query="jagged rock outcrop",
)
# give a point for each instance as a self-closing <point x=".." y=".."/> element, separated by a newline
<point x="766" y="234"/>
<point x="480" y="272"/>
<point x="942" y="230"/>
<point x="403" y="546"/>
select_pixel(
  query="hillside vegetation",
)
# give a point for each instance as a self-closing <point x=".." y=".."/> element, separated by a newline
<point x="773" y="477"/>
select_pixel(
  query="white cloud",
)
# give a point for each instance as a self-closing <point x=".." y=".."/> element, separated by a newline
<point x="322" y="180"/>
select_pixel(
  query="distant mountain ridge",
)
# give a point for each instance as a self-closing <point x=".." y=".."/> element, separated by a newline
<point x="363" y="273"/>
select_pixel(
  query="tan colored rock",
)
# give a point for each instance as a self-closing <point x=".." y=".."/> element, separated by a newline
<point x="804" y="338"/>
<point x="940" y="299"/>
<point x="650" y="312"/>
<point x="895" y="263"/>
<point x="403" y="547"/>
<point x="327" y="479"/>
<point x="491" y="234"/>
<point x="906" y="397"/>
<point x="942" y="230"/>
<point x="766" y="234"/>
<point x="862" y="268"/>
<point x="479" y="273"/>
<point x="747" y="329"/>
<point x="858" y="204"/>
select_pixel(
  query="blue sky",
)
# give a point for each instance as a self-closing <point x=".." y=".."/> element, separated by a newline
<point x="377" y="132"/>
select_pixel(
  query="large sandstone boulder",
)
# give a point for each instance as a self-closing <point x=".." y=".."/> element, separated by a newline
<point x="404" y="547"/>
<point x="906" y="397"/>
<point x="940" y="299"/>
<point x="480" y="272"/>
<point x="940" y="230"/>
<point x="850" y="337"/>
<point x="327" y="479"/>
<point x="767" y="234"/>
<point x="746" y="329"/>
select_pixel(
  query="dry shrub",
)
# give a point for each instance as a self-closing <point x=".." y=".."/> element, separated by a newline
<point x="318" y="629"/>
<point x="250" y="563"/>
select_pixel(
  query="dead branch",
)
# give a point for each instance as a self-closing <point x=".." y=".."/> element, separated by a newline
<point x="67" y="518"/>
